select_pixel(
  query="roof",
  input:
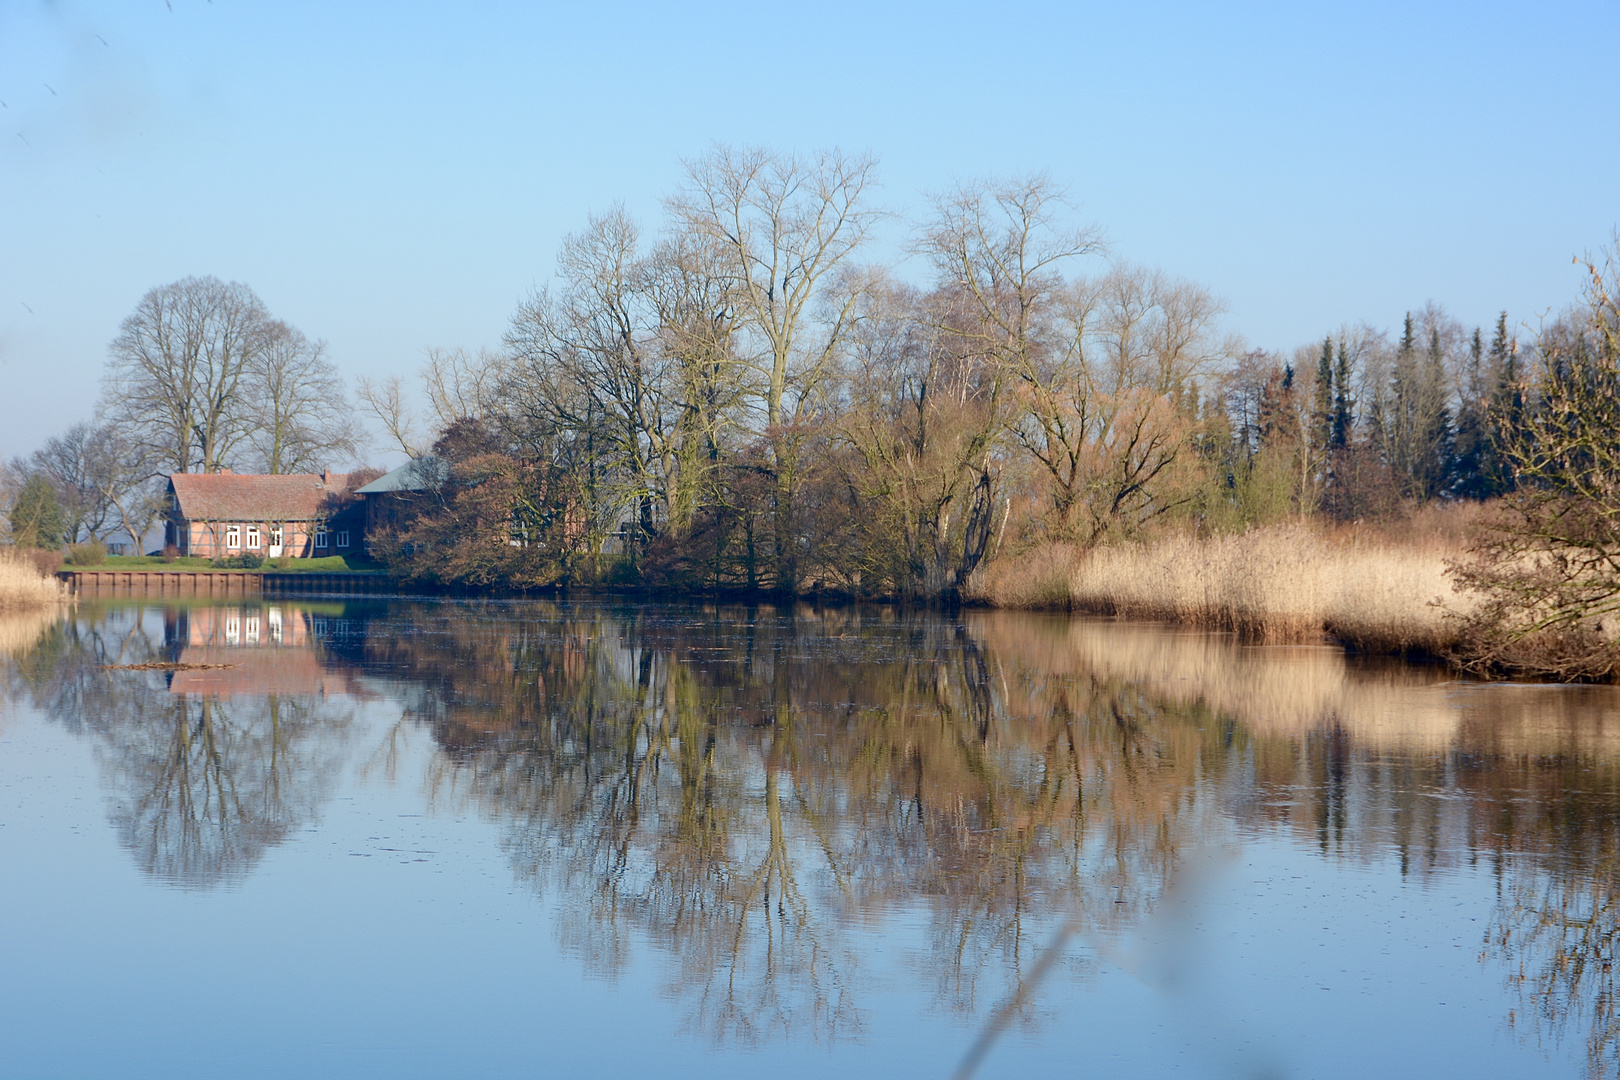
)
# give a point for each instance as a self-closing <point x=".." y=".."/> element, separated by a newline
<point x="230" y="497"/>
<point x="418" y="474"/>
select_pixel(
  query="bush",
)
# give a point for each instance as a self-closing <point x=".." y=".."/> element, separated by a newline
<point x="169" y="553"/>
<point x="46" y="562"/>
<point x="248" y="560"/>
<point x="91" y="554"/>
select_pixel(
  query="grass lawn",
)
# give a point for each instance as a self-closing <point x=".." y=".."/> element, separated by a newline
<point x="328" y="565"/>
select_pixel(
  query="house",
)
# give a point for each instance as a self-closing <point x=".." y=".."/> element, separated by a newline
<point x="304" y="515"/>
<point x="391" y="499"/>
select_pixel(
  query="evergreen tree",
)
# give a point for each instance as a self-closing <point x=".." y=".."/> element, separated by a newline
<point x="1342" y="404"/>
<point x="1468" y="475"/>
<point x="1322" y="406"/>
<point x="1505" y="413"/>
<point x="36" y="516"/>
<point x="1418" y="442"/>
<point x="1436" y="434"/>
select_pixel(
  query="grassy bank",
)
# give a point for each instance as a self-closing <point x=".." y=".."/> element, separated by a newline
<point x="24" y="586"/>
<point x="1292" y="583"/>
<point x="326" y="565"/>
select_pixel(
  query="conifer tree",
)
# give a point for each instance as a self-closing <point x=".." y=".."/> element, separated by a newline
<point x="1505" y="412"/>
<point x="1322" y="405"/>
<point x="1468" y="476"/>
<point x="1436" y="434"/>
<point x="1342" y="404"/>
<point x="36" y="517"/>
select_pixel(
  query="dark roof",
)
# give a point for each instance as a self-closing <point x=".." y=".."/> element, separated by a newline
<point x="229" y="497"/>
<point x="419" y="474"/>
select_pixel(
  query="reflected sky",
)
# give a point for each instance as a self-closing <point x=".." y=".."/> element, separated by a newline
<point x="484" y="838"/>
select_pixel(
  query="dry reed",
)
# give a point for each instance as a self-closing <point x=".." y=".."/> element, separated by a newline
<point x="1287" y="583"/>
<point x="23" y="586"/>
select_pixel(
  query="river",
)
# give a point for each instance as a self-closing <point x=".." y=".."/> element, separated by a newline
<point x="437" y="838"/>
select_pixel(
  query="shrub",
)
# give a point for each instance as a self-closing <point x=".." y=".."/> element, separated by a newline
<point x="248" y="560"/>
<point x="169" y="553"/>
<point x="91" y="554"/>
<point x="45" y="562"/>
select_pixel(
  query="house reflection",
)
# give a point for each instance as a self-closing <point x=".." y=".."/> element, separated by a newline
<point x="246" y="649"/>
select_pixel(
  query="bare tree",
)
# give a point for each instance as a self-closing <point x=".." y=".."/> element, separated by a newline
<point x="296" y="410"/>
<point x="630" y="360"/>
<point x="387" y="402"/>
<point x="78" y="463"/>
<point x="175" y="380"/>
<point x="782" y="225"/>
<point x="999" y="251"/>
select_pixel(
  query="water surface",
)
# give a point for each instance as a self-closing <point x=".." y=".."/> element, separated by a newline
<point x="493" y="839"/>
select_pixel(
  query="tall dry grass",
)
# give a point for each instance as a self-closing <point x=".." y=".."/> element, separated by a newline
<point x="1287" y="583"/>
<point x="23" y="586"/>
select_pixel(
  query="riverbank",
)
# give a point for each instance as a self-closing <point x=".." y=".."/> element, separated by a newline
<point x="1369" y="591"/>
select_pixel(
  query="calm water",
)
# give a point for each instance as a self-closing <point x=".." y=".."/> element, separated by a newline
<point x="504" y="839"/>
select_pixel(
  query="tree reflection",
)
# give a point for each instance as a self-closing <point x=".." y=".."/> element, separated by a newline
<point x="200" y="785"/>
<point x="760" y="793"/>
<point x="744" y="788"/>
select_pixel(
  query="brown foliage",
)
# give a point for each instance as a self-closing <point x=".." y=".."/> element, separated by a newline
<point x="1548" y="568"/>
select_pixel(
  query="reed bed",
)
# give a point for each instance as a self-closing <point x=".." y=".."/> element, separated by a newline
<point x="1285" y="691"/>
<point x="1290" y="583"/>
<point x="22" y="586"/>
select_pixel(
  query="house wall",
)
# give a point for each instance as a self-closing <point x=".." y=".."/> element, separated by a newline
<point x="210" y="539"/>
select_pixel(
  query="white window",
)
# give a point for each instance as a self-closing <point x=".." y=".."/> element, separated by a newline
<point x="233" y="629"/>
<point x="343" y="538"/>
<point x="252" y="629"/>
<point x="275" y="536"/>
<point x="320" y="538"/>
<point x="233" y="536"/>
<point x="253" y="536"/>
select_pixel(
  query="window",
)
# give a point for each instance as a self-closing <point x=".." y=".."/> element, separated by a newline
<point x="275" y="536"/>
<point x="320" y="538"/>
<point x="233" y="536"/>
<point x="253" y="536"/>
<point x="343" y="538"/>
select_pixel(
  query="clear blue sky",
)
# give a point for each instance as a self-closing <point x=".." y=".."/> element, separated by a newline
<point x="396" y="176"/>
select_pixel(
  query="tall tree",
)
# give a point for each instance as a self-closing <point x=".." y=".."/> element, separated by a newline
<point x="179" y="368"/>
<point x="295" y="407"/>
<point x="782" y="226"/>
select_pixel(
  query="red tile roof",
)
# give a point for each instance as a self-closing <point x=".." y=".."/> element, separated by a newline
<point x="229" y="497"/>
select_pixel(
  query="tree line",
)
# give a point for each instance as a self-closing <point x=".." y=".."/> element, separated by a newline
<point x="738" y="400"/>
<point x="743" y="398"/>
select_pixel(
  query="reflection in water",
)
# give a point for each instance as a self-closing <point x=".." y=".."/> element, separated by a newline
<point x="756" y="791"/>
<point x="204" y="774"/>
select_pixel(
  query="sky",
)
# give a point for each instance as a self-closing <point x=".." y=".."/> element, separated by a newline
<point x="397" y="177"/>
